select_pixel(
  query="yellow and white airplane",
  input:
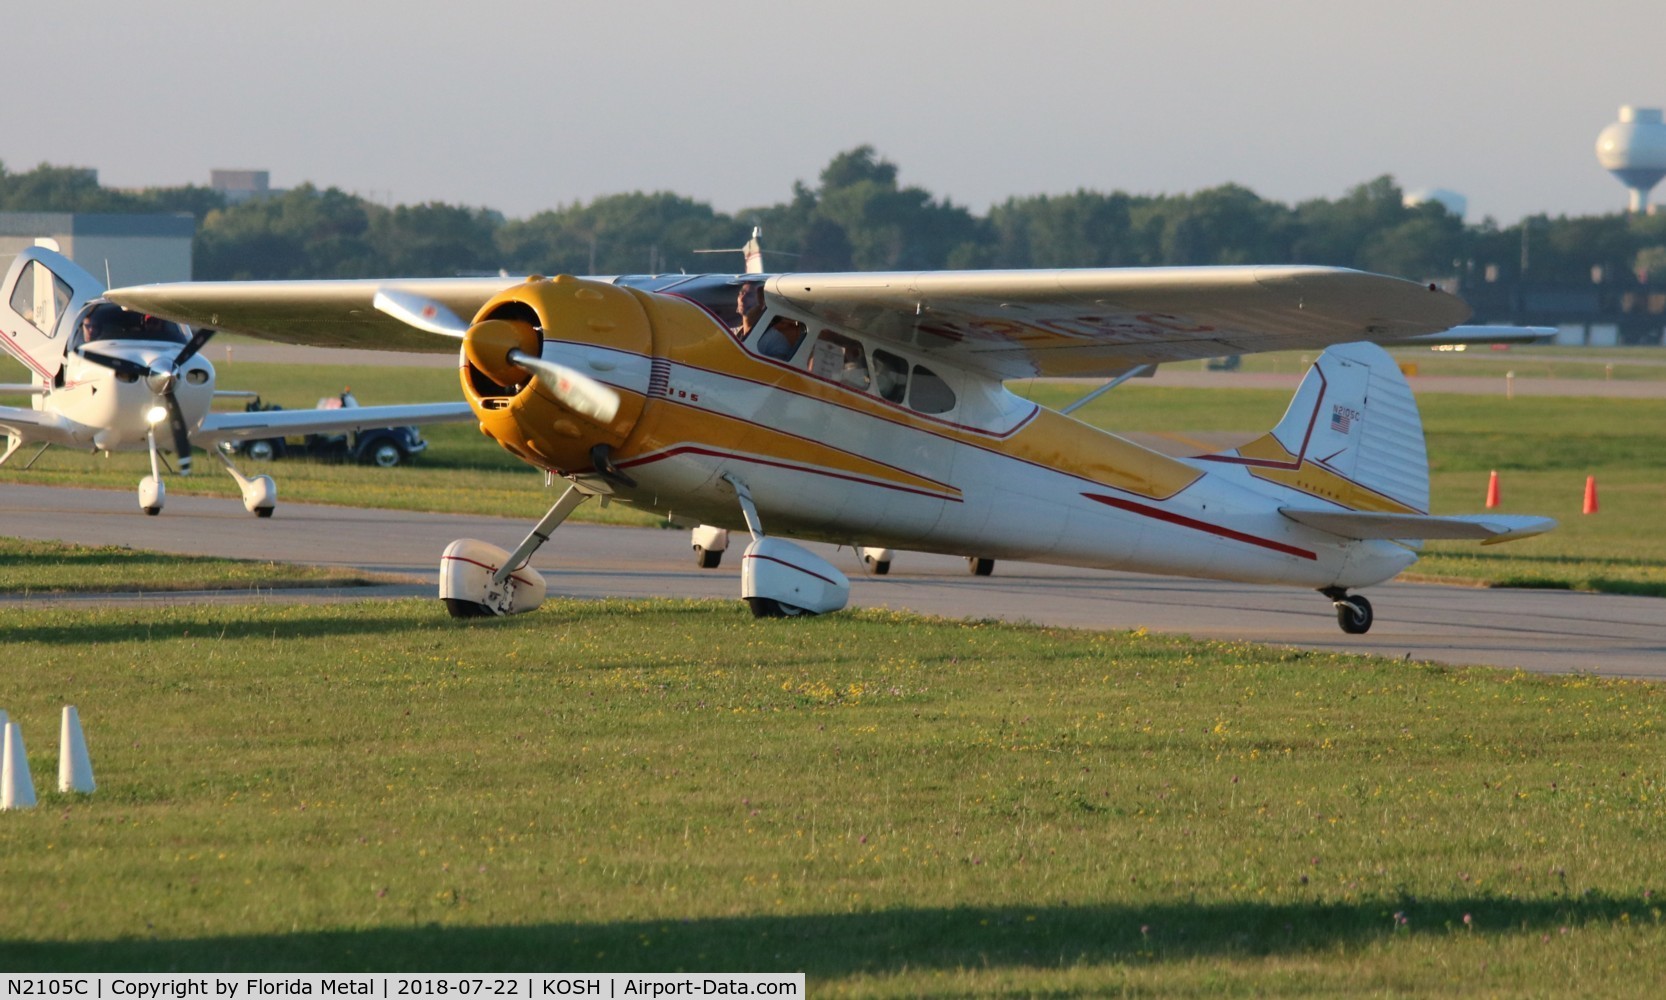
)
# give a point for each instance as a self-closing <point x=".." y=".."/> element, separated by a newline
<point x="106" y="379"/>
<point x="869" y="408"/>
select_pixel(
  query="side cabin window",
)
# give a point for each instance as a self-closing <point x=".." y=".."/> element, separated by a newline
<point x="929" y="393"/>
<point x="40" y="297"/>
<point x="781" y="338"/>
<point x="890" y="376"/>
<point x="840" y="359"/>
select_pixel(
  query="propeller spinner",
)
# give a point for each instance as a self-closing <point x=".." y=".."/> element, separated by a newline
<point x="162" y="378"/>
<point x="488" y="344"/>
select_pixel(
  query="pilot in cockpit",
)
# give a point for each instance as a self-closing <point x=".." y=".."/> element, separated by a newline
<point x="749" y="304"/>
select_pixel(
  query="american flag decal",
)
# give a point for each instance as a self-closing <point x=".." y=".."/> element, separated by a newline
<point x="659" y="378"/>
<point x="1342" y="418"/>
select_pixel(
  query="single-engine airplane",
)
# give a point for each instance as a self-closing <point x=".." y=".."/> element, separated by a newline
<point x="869" y="409"/>
<point x="105" y="378"/>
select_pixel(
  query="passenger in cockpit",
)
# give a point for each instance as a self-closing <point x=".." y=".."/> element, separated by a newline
<point x="781" y="339"/>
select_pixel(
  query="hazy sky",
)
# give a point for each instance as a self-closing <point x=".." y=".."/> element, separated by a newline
<point x="521" y="106"/>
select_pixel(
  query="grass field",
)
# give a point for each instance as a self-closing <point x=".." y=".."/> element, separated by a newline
<point x="1543" y="449"/>
<point x="30" y="567"/>
<point x="895" y="805"/>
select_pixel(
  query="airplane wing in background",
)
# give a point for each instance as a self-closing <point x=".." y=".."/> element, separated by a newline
<point x="36" y="425"/>
<point x="312" y="313"/>
<point x="277" y="423"/>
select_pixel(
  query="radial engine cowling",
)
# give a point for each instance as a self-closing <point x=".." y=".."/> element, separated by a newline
<point x="595" y="329"/>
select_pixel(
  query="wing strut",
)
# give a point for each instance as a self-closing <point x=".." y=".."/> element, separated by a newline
<point x="1141" y="372"/>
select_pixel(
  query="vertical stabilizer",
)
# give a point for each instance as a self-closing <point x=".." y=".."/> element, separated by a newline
<point x="1352" y="436"/>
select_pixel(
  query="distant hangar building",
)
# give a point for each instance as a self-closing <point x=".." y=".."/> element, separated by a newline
<point x="123" y="249"/>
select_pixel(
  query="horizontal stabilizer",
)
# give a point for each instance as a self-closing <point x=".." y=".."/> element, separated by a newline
<point x="1485" y="528"/>
<point x="1482" y="335"/>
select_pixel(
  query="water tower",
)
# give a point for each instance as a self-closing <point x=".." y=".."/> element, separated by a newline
<point x="1633" y="149"/>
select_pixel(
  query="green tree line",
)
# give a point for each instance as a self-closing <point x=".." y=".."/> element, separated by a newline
<point x="859" y="216"/>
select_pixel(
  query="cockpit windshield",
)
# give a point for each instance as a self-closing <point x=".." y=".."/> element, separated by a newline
<point x="108" y="321"/>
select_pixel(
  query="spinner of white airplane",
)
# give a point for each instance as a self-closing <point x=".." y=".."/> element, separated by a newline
<point x="869" y="409"/>
<point x="105" y="379"/>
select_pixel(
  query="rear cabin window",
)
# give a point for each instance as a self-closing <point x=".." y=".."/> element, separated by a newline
<point x="40" y="297"/>
<point x="928" y="393"/>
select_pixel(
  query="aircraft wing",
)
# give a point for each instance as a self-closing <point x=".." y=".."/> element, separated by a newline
<point x="1485" y="528"/>
<point x="1007" y="324"/>
<point x="36" y="425"/>
<point x="279" y="423"/>
<point x="312" y="313"/>
<point x="1101" y="322"/>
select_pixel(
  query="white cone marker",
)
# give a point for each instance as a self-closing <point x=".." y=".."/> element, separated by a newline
<point x="17" y="788"/>
<point x="75" y="768"/>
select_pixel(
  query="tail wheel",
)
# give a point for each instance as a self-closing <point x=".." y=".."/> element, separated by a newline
<point x="1354" y="615"/>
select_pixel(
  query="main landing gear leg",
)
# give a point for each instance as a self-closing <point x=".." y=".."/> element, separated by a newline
<point x="779" y="579"/>
<point x="478" y="579"/>
<point x="1353" y="612"/>
<point x="260" y="494"/>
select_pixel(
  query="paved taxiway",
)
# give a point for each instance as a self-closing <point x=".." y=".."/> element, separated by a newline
<point x="1542" y="631"/>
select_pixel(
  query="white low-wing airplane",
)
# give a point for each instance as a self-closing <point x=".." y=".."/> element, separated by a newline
<point x="869" y="409"/>
<point x="106" y="379"/>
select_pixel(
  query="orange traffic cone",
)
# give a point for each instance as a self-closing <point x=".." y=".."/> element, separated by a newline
<point x="1590" y="495"/>
<point x="1492" y="490"/>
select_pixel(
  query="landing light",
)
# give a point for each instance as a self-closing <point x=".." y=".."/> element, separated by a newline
<point x="156" y="415"/>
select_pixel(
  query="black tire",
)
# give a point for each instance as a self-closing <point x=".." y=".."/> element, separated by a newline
<point x="1354" y="615"/>
<point x="153" y="511"/>
<point x="768" y="607"/>
<point x="980" y="567"/>
<point x="706" y="558"/>
<point x="878" y="567"/>
<point x="459" y="608"/>
<point x="263" y="511"/>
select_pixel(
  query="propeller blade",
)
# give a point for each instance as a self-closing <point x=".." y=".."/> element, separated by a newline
<point x="581" y="392"/>
<point x="121" y="366"/>
<point x="182" y="433"/>
<point x="422" y="313"/>
<point x="196" y="343"/>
